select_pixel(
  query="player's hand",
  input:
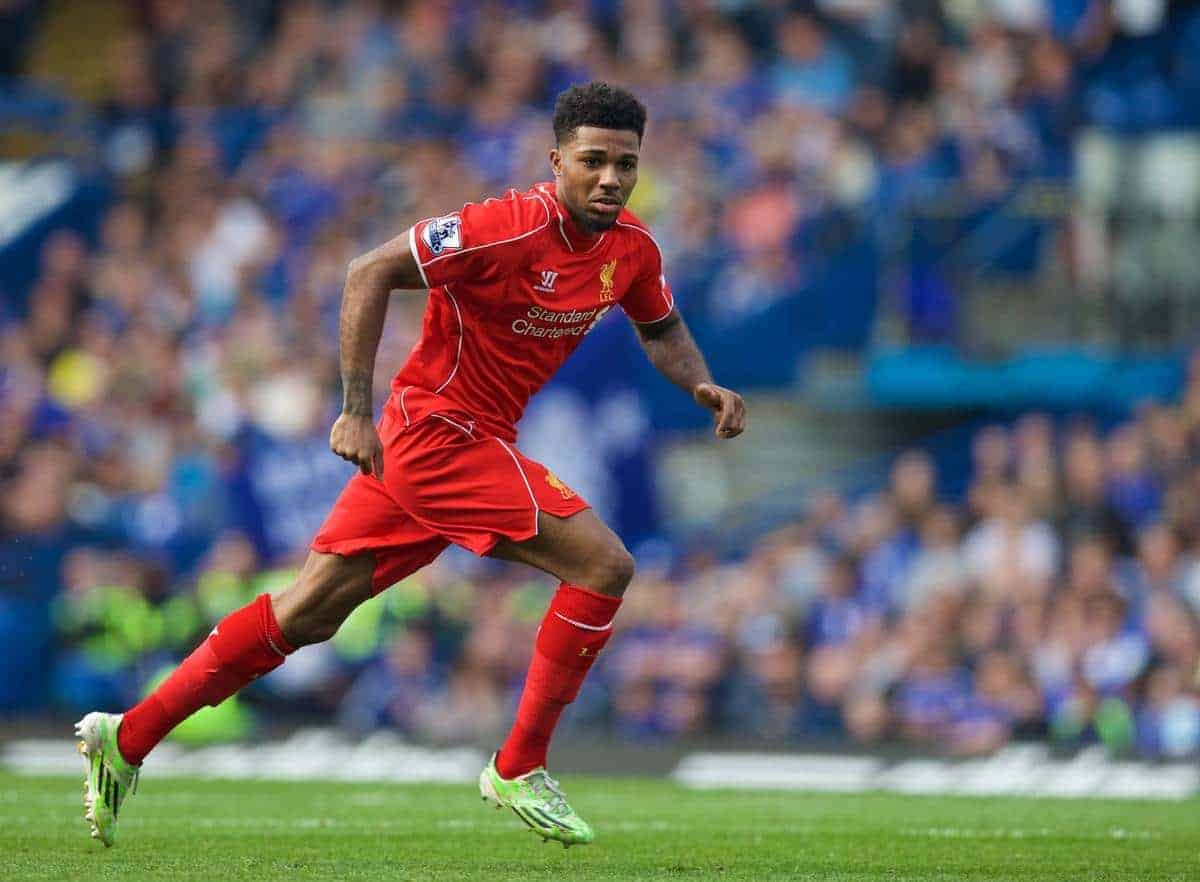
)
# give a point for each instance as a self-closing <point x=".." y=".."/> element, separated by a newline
<point x="726" y="404"/>
<point x="355" y="440"/>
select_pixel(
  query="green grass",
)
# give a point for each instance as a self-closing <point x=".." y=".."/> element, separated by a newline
<point x="183" y="829"/>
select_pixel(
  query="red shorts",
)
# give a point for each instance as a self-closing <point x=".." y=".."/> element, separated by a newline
<point x="444" y="480"/>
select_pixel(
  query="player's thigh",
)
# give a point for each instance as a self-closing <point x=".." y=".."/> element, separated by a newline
<point x="367" y="520"/>
<point x="485" y="495"/>
<point x="580" y="549"/>
<point x="472" y="489"/>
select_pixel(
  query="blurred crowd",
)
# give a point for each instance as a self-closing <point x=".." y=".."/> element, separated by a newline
<point x="1059" y="599"/>
<point x="166" y="384"/>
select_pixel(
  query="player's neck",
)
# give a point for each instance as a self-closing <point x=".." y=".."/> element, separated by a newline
<point x="581" y="239"/>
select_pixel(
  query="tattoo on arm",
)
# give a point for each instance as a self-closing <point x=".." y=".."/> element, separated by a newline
<point x="369" y="282"/>
<point x="356" y="394"/>
<point x="364" y="307"/>
<point x="670" y="347"/>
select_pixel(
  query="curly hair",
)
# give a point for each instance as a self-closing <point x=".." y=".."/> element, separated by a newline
<point x="597" y="104"/>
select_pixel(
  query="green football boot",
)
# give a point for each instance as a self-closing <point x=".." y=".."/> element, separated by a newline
<point x="110" y="780"/>
<point x="535" y="798"/>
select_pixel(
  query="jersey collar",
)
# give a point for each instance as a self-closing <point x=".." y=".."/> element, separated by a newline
<point x="572" y="237"/>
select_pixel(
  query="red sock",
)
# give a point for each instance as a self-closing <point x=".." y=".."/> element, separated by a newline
<point x="575" y="629"/>
<point x="246" y="644"/>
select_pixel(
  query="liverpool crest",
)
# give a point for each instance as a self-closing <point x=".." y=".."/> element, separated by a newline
<point x="554" y="481"/>
<point x="606" y="279"/>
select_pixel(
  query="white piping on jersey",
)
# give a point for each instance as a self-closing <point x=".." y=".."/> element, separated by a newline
<point x="510" y="191"/>
<point x="594" y="244"/>
<point x="666" y="315"/>
<point x="582" y="625"/>
<point x="412" y="246"/>
<point x="272" y="644"/>
<point x="462" y="332"/>
<point x="536" y="191"/>
<point x="532" y="498"/>
<point x="499" y="242"/>
<point x="662" y="278"/>
<point x="466" y="431"/>
<point x="562" y="232"/>
<point x="403" y="409"/>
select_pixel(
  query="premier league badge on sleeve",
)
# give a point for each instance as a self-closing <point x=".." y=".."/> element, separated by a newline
<point x="443" y="234"/>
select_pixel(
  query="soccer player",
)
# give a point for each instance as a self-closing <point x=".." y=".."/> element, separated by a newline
<point x="515" y="283"/>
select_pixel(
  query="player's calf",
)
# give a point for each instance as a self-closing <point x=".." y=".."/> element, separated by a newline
<point x="575" y="629"/>
<point x="245" y="645"/>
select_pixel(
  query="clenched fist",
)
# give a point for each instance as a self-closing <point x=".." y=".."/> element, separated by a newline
<point x="354" y="439"/>
<point x="726" y="405"/>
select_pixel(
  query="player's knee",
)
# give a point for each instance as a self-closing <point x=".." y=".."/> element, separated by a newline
<point x="612" y="570"/>
<point x="304" y="630"/>
<point x="304" y="622"/>
<point x="301" y="620"/>
<point x="312" y="608"/>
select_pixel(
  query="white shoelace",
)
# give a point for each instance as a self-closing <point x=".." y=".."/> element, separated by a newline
<point x="540" y="782"/>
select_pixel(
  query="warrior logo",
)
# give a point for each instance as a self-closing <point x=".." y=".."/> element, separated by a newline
<point x="606" y="280"/>
<point x="553" y="480"/>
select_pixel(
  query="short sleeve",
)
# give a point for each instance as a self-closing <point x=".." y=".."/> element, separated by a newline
<point x="649" y="298"/>
<point x="484" y="240"/>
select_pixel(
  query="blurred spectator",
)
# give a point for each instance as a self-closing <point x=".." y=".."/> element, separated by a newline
<point x="1007" y="553"/>
<point x="931" y="693"/>
<point x="1169" y="727"/>
<point x="1001" y="700"/>
<point x="938" y="566"/>
<point x="811" y="70"/>
<point x="1086" y="510"/>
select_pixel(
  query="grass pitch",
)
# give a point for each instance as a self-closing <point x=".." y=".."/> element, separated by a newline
<point x="181" y="829"/>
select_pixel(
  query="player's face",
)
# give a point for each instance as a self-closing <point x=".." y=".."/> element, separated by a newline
<point x="596" y="170"/>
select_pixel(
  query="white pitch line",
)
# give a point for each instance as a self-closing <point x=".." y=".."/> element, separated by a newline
<point x="1017" y="833"/>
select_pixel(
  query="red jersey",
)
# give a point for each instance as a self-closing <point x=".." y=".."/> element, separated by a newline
<point x="514" y="287"/>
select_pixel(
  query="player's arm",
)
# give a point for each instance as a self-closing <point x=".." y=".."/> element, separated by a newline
<point x="669" y="346"/>
<point x="370" y="281"/>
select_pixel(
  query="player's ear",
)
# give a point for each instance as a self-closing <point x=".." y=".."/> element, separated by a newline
<point x="556" y="161"/>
